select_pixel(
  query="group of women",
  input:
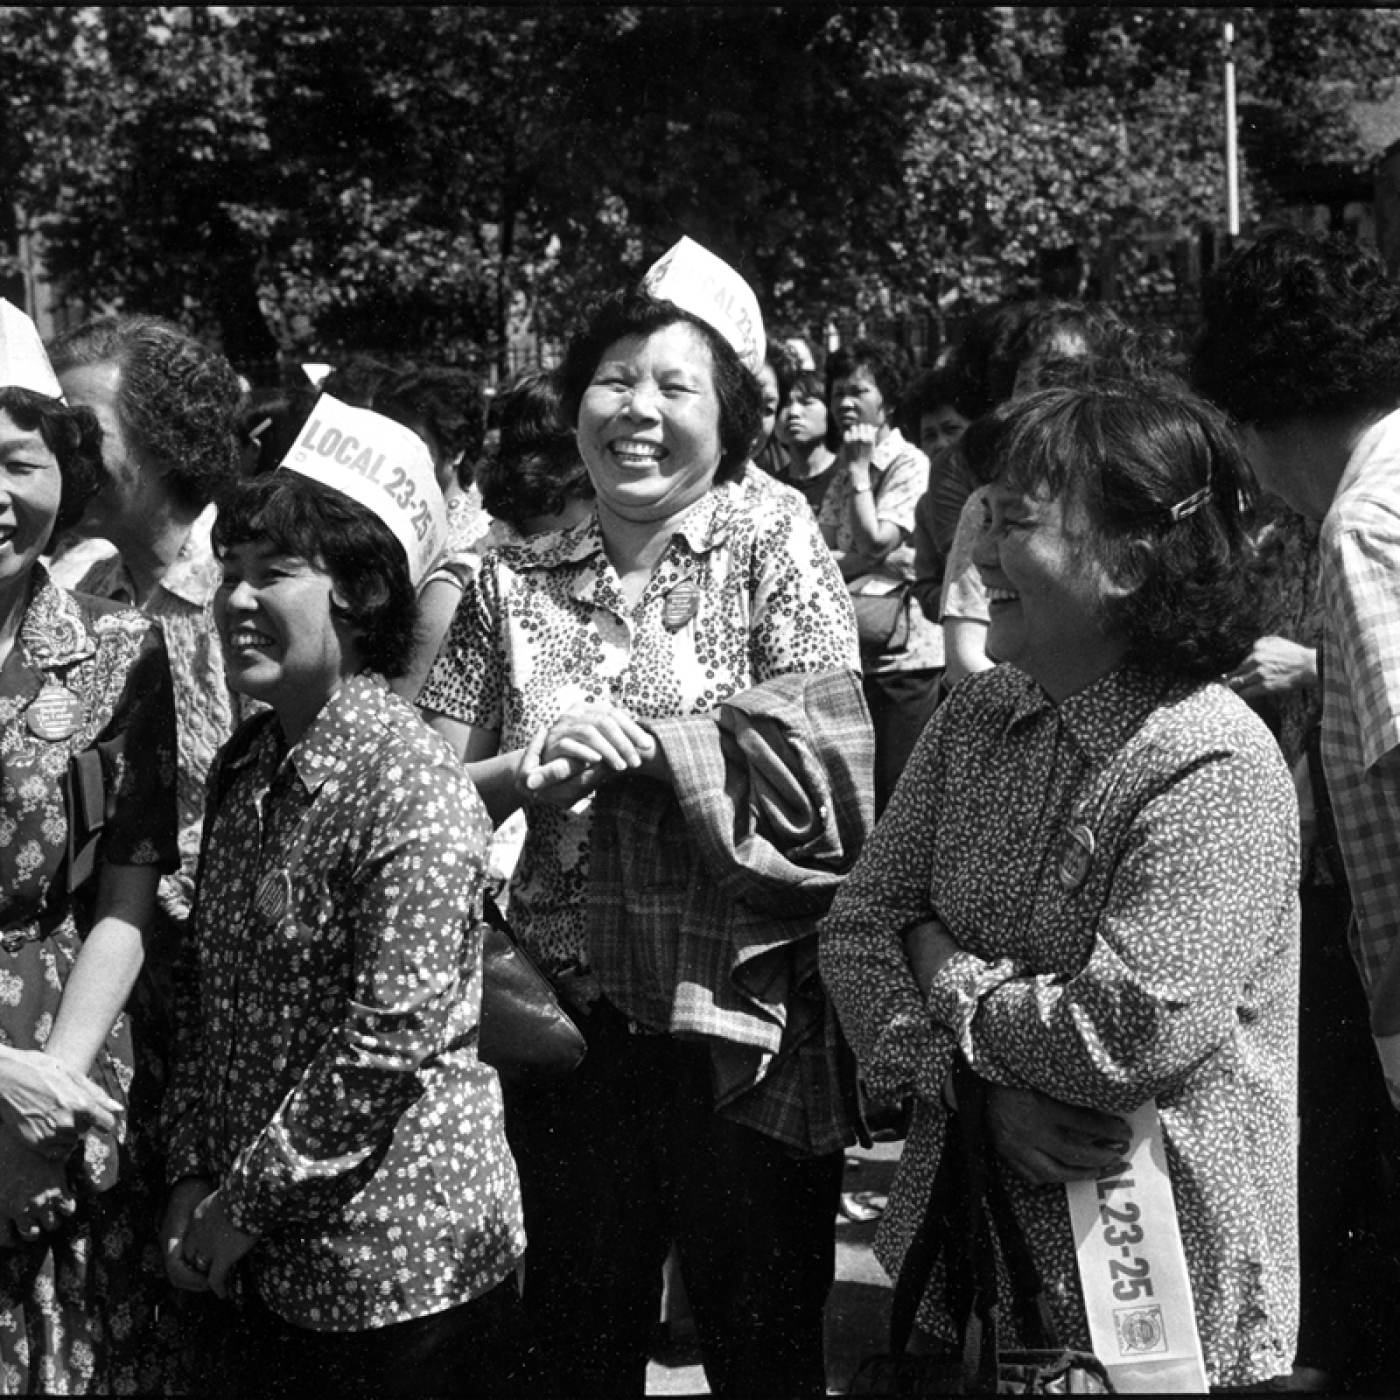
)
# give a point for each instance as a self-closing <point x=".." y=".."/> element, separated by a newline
<point x="670" y="688"/>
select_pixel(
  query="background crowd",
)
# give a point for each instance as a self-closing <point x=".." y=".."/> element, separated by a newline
<point x="830" y="731"/>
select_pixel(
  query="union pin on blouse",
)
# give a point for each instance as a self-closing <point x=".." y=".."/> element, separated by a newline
<point x="1076" y="856"/>
<point x="55" y="713"/>
<point x="274" y="896"/>
<point x="682" y="603"/>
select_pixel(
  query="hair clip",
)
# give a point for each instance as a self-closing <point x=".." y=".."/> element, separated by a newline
<point x="1189" y="505"/>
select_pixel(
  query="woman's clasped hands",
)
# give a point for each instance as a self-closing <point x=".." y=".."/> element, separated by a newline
<point x="570" y="758"/>
<point x="49" y="1106"/>
<point x="45" y="1108"/>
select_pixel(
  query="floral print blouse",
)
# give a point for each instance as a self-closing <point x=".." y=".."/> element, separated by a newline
<point x="1120" y="870"/>
<point x="69" y="1303"/>
<point x="327" y="1076"/>
<point x="745" y="591"/>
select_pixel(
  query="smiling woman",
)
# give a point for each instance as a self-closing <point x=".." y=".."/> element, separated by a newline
<point x="87" y="725"/>
<point x="1085" y="889"/>
<point x="620" y="680"/>
<point x="333" y="1118"/>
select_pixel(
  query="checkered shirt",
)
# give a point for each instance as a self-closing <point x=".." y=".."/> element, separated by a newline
<point x="1360" y="561"/>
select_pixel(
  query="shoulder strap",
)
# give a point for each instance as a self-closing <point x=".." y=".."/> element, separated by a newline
<point x="969" y="1212"/>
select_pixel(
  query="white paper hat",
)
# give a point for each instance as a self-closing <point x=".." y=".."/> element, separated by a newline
<point x="23" y="362"/>
<point x="706" y="286"/>
<point x="381" y="464"/>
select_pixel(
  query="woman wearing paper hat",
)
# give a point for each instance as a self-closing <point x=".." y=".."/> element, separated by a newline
<point x="670" y="688"/>
<point x="338" y="1161"/>
<point x="87" y="825"/>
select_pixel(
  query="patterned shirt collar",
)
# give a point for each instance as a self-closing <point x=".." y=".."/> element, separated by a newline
<point x="1101" y="717"/>
<point x="53" y="632"/>
<point x="351" y="721"/>
<point x="703" y="527"/>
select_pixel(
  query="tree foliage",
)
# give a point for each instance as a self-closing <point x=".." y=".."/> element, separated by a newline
<point x="305" y="180"/>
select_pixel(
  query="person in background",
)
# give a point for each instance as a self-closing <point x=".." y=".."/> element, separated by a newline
<point x="168" y="407"/>
<point x="533" y="480"/>
<point x="630" y="682"/>
<point x="931" y="409"/>
<point x="338" y="1163"/>
<point x="775" y="377"/>
<point x="1300" y="344"/>
<point x="867" y="518"/>
<point x="87" y="826"/>
<point x="1084" y="892"/>
<point x="809" y="436"/>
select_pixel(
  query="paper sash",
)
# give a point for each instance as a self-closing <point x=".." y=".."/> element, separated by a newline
<point x="1132" y="1269"/>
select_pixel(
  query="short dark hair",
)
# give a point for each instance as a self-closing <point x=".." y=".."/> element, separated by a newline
<point x="535" y="468"/>
<point x="1297" y="326"/>
<point x="1131" y="452"/>
<point x="638" y="313"/>
<point x="782" y="360"/>
<point x="883" y="360"/>
<point x="177" y="400"/>
<point x="444" y="406"/>
<point x="928" y="392"/>
<point x="365" y="561"/>
<point x="72" y="434"/>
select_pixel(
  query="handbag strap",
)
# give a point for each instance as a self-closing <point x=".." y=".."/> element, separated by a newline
<point x="969" y="1212"/>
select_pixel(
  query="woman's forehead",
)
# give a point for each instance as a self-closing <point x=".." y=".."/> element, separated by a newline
<point x="676" y="341"/>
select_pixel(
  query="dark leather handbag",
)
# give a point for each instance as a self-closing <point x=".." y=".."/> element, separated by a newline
<point x="967" y="1206"/>
<point x="525" y="1032"/>
<point x="882" y="621"/>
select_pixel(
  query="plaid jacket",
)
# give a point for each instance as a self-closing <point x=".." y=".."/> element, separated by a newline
<point x="705" y="895"/>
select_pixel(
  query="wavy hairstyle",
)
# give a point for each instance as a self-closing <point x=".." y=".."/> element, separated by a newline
<point x="1137" y="454"/>
<point x="177" y="400"/>
<point x="72" y="434"/>
<point x="1299" y="326"/>
<point x="366" y="563"/>
<point x="535" y="468"/>
<point x="637" y="313"/>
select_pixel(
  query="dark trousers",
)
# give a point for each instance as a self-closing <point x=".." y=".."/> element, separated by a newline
<point x="628" y="1155"/>
<point x="474" y="1349"/>
<point x="901" y="703"/>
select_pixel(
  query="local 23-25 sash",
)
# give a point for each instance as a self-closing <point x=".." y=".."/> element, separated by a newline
<point x="1132" y="1269"/>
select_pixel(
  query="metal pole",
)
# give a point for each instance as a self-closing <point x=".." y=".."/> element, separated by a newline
<point x="1232" y="152"/>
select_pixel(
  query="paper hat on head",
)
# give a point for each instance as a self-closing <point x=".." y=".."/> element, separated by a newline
<point x="384" y="466"/>
<point x="23" y="361"/>
<point x="706" y="286"/>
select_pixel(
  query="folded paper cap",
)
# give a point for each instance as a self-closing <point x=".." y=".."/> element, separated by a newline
<point x="697" y="281"/>
<point x="23" y="362"/>
<point x="384" y="466"/>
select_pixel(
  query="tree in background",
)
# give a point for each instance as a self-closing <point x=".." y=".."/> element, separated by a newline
<point x="421" y="180"/>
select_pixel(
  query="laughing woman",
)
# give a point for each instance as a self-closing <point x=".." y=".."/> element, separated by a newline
<point x="87" y="826"/>
<point x="338" y="1158"/>
<point x="669" y="689"/>
<point x="1085" y="889"/>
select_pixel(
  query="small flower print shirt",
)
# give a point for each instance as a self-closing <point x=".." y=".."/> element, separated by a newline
<point x="745" y="591"/>
<point x="327" y="1078"/>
